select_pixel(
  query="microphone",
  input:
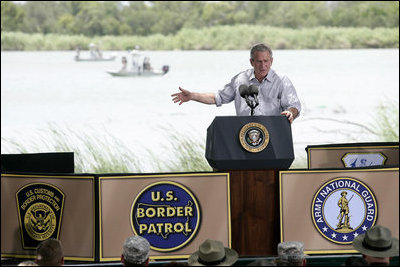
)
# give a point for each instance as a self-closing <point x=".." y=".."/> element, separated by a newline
<point x="244" y="92"/>
<point x="253" y="91"/>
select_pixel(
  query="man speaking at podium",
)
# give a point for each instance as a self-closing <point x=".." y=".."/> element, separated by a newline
<point x="256" y="91"/>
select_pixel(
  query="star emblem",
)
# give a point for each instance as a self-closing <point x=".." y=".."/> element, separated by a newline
<point x="333" y="235"/>
<point x="325" y="229"/>
<point x="355" y="234"/>
<point x="345" y="237"/>
<point x="364" y="228"/>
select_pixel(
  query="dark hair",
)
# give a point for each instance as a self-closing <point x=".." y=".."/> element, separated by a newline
<point x="128" y="263"/>
<point x="355" y="261"/>
<point x="260" y="48"/>
<point x="49" y="252"/>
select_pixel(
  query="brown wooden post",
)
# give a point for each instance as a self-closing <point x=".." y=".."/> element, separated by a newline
<point x="255" y="211"/>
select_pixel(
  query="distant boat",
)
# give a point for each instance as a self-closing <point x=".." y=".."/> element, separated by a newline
<point x="140" y="67"/>
<point x="95" y="54"/>
<point x="145" y="73"/>
<point x="112" y="58"/>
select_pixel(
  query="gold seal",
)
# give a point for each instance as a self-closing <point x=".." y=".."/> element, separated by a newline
<point x="254" y="137"/>
<point x="40" y="221"/>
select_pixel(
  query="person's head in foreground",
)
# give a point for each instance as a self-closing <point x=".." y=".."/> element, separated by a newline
<point x="291" y="253"/>
<point x="28" y="263"/>
<point x="135" y="252"/>
<point x="50" y="253"/>
<point x="377" y="245"/>
<point x="213" y="252"/>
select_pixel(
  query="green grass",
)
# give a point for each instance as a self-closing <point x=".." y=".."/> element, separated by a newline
<point x="184" y="153"/>
<point x="106" y="154"/>
<point x="386" y="121"/>
<point x="238" y="37"/>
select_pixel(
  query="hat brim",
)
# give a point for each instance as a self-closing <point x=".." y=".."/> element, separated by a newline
<point x="393" y="251"/>
<point x="231" y="257"/>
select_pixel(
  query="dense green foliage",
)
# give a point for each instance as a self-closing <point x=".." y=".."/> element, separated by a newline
<point x="144" y="18"/>
<point x="240" y="37"/>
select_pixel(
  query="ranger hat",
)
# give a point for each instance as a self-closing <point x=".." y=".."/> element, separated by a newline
<point x="377" y="242"/>
<point x="213" y="252"/>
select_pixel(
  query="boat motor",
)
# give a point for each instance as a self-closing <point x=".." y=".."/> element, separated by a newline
<point x="165" y="69"/>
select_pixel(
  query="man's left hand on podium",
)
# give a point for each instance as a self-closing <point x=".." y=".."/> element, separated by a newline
<point x="289" y="115"/>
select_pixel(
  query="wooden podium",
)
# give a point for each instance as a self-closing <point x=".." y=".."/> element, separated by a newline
<point x="254" y="181"/>
<point x="255" y="211"/>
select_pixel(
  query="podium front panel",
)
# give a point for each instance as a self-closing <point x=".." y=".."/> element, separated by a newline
<point x="310" y="212"/>
<point x="228" y="146"/>
<point x="175" y="213"/>
<point x="37" y="207"/>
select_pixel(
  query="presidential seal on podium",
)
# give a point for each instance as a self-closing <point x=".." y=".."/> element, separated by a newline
<point x="254" y="137"/>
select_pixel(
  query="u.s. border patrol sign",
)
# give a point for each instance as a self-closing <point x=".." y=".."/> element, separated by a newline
<point x="342" y="209"/>
<point x="167" y="214"/>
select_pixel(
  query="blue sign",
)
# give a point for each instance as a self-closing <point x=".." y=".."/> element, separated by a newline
<point x="344" y="208"/>
<point x="167" y="214"/>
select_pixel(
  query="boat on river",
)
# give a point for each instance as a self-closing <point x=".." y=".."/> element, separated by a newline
<point x="95" y="55"/>
<point x="111" y="58"/>
<point x="138" y="73"/>
<point x="140" y="67"/>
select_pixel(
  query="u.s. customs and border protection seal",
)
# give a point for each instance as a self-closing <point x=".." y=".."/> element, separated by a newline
<point x="40" y="207"/>
<point x="343" y="208"/>
<point x="167" y="214"/>
<point x="254" y="137"/>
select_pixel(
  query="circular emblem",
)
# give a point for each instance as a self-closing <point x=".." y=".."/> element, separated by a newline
<point x="167" y="214"/>
<point x="344" y="208"/>
<point x="254" y="137"/>
<point x="40" y="221"/>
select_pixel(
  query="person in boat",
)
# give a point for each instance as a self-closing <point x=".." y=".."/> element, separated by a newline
<point x="146" y="64"/>
<point x="78" y="51"/>
<point x="92" y="49"/>
<point x="99" y="54"/>
<point x="276" y="93"/>
<point x="124" y="67"/>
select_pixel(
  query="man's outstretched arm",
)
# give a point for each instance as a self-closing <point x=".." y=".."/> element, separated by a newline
<point x="185" y="95"/>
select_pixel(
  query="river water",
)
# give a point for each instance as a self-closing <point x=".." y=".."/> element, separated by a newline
<point x="39" y="89"/>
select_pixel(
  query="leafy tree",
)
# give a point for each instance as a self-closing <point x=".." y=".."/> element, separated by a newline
<point x="11" y="16"/>
<point x="67" y="24"/>
<point x="139" y="18"/>
<point x="143" y="18"/>
<point x="41" y="16"/>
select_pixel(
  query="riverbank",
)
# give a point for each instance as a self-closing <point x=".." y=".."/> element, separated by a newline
<point x="239" y="37"/>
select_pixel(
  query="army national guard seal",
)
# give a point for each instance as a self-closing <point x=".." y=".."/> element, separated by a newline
<point x="254" y="137"/>
<point x="40" y="207"/>
<point x="344" y="208"/>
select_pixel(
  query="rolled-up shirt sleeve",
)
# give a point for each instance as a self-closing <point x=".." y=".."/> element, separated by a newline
<point x="226" y="95"/>
<point x="289" y="97"/>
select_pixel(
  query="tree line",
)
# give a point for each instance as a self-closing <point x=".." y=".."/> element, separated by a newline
<point x="144" y="18"/>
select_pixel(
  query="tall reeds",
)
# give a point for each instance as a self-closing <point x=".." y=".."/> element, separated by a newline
<point x="104" y="153"/>
<point x="238" y="37"/>
<point x="184" y="152"/>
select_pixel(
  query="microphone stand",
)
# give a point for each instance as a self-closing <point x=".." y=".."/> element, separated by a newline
<point x="252" y="108"/>
<point x="251" y="101"/>
<point x="252" y="105"/>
